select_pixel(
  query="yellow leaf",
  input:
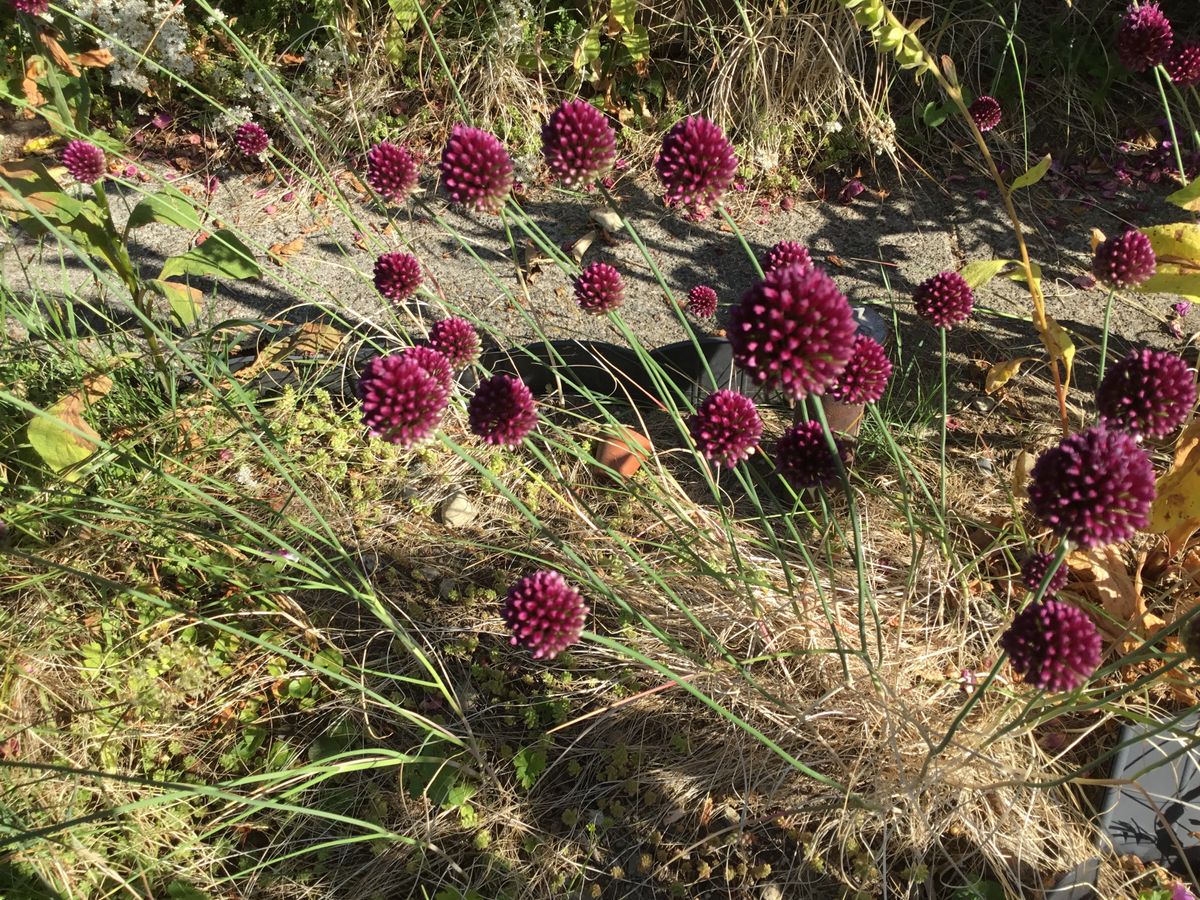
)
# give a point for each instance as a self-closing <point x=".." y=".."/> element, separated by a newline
<point x="58" y="54"/>
<point x="1003" y="372"/>
<point x="1020" y="475"/>
<point x="1098" y="238"/>
<point x="1177" y="248"/>
<point x="1059" y="344"/>
<point x="1176" y="509"/>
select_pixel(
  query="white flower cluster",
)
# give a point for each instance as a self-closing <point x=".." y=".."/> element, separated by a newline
<point x="153" y="28"/>
<point x="881" y="135"/>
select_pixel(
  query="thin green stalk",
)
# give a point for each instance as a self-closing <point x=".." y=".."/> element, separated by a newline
<point x="1159" y="75"/>
<point x="742" y="240"/>
<point x="1187" y="112"/>
<point x="945" y="413"/>
<point x="1108" y="303"/>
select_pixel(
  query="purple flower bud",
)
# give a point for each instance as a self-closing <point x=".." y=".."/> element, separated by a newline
<point x="545" y="613"/>
<point x="502" y="411"/>
<point x="726" y="427"/>
<point x="456" y="339"/>
<point x="866" y="376"/>
<point x="476" y="170"/>
<point x="578" y="143"/>
<point x="1126" y="260"/>
<point x="1144" y="38"/>
<point x="793" y="330"/>
<point x="391" y="171"/>
<point x="945" y="300"/>
<point x="696" y="165"/>
<point x="787" y="253"/>
<point x="252" y="139"/>
<point x="1034" y="569"/>
<point x="84" y="161"/>
<point x="401" y="401"/>
<point x="599" y="288"/>
<point x="1053" y="646"/>
<point x="803" y="456"/>
<point x="397" y="276"/>
<point x="1183" y="67"/>
<point x="986" y="113"/>
<point x="702" y="301"/>
<point x="1094" y="488"/>
<point x="1149" y="392"/>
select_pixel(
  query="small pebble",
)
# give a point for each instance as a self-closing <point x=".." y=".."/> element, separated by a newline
<point x="457" y="511"/>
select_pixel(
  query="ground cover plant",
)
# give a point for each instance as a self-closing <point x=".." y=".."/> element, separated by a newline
<point x="389" y="605"/>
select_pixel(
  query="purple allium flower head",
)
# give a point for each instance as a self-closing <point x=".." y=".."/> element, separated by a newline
<point x="1144" y="37"/>
<point x="84" y="161"/>
<point x="726" y="427"/>
<point x="391" y="171"/>
<point x="1053" y="646"/>
<point x="476" y="169"/>
<point x="1126" y="260"/>
<point x="397" y="276"/>
<point x="985" y="112"/>
<point x="945" y="300"/>
<point x="32" y="7"/>
<point x="1183" y="67"/>
<point x="1094" y="488"/>
<point x="456" y="339"/>
<point x="502" y="411"/>
<point x="866" y="376"/>
<point x="599" y="288"/>
<point x="545" y="614"/>
<point x="702" y="301"/>
<point x="1149" y="392"/>
<point x="696" y="165"/>
<point x="401" y="401"/>
<point x="793" y="330"/>
<point x="803" y="457"/>
<point x="578" y="143"/>
<point x="252" y="139"/>
<point x="1034" y="569"/>
<point x="432" y="360"/>
<point x="787" y="253"/>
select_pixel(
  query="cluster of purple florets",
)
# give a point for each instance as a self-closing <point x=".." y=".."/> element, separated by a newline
<point x="1149" y="392"/>
<point x="726" y="427"/>
<point x="85" y="161"/>
<point x="1053" y="646"/>
<point x="599" y="288"/>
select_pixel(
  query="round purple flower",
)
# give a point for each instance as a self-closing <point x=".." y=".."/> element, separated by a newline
<point x="397" y="276"/>
<point x="578" y="143"/>
<point x="599" y="288"/>
<point x="252" y="139"/>
<point x="502" y="411"/>
<point x="401" y="401"/>
<point x="1149" y="392"/>
<point x="985" y="112"/>
<point x="866" y="376"/>
<point x="32" y="7"/>
<point x="1126" y="260"/>
<point x="1053" y="646"/>
<point x="1034" y="569"/>
<point x="1183" y="67"/>
<point x="696" y="165"/>
<point x="433" y="361"/>
<point x="803" y="457"/>
<point x="476" y="169"/>
<point x="84" y="161"/>
<point x="794" y="329"/>
<point x="726" y="427"/>
<point x="456" y="339"/>
<point x="545" y="613"/>
<point x="787" y="253"/>
<point x="702" y="301"/>
<point x="391" y="171"/>
<point x="1094" y="488"/>
<point x="945" y="300"/>
<point x="1144" y="37"/>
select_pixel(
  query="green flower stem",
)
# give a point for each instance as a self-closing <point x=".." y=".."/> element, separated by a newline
<point x="1159" y="75"/>
<point x="742" y="240"/>
<point x="945" y="412"/>
<point x="1108" y="304"/>
<point x="1187" y="112"/>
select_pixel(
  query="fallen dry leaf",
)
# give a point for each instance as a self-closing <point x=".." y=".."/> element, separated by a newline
<point x="58" y="54"/>
<point x="1103" y="574"/>
<point x="94" y="59"/>
<point x="1002" y="373"/>
<point x="1020" y="475"/>
<point x="1176" y="510"/>
<point x="34" y="69"/>
<point x="281" y="252"/>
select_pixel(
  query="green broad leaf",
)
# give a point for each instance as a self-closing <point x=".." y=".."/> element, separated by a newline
<point x="622" y="12"/>
<point x="185" y="301"/>
<point x="406" y="13"/>
<point x="530" y="763"/>
<point x="637" y="42"/>
<point x="981" y="271"/>
<point x="222" y="255"/>
<point x="934" y="114"/>
<point x="60" y="436"/>
<point x="168" y="205"/>
<point x="588" y="49"/>
<point x="1177" y="248"/>
<point x="1187" y="198"/>
<point x="1035" y="174"/>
